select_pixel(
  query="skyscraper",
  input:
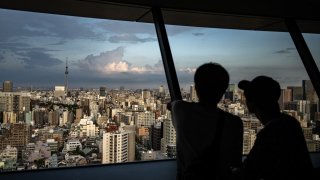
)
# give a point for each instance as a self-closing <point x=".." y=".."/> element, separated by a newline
<point x="308" y="91"/>
<point x="230" y="92"/>
<point x="193" y="94"/>
<point x="156" y="135"/>
<point x="297" y="93"/>
<point x="19" y="136"/>
<point x="7" y="86"/>
<point x="115" y="147"/>
<point x="103" y="91"/>
<point x="168" y="142"/>
<point x="285" y="97"/>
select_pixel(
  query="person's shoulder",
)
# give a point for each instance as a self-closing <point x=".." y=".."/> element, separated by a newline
<point x="180" y="104"/>
<point x="231" y="117"/>
<point x="290" y="120"/>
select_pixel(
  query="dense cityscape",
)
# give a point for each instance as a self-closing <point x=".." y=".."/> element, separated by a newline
<point x="61" y="127"/>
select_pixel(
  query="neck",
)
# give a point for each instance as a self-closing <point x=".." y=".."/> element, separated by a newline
<point x="266" y="117"/>
<point x="207" y="104"/>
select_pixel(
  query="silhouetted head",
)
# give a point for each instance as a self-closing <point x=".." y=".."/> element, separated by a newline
<point x="211" y="81"/>
<point x="262" y="92"/>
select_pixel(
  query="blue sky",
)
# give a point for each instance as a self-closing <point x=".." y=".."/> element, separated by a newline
<point x="35" y="46"/>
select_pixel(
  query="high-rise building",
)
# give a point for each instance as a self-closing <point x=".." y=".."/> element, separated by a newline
<point x="103" y="91"/>
<point x="309" y="92"/>
<point x="307" y="132"/>
<point x="145" y="119"/>
<point x="310" y="95"/>
<point x="169" y="135"/>
<point x="131" y="142"/>
<point x="79" y="115"/>
<point x="249" y="137"/>
<point x="7" y="86"/>
<point x="297" y="92"/>
<point x="162" y="91"/>
<point x="59" y="91"/>
<point x="65" y="117"/>
<point x="40" y="117"/>
<point x="156" y="136"/>
<point x="53" y="117"/>
<point x="285" y="98"/>
<point x="115" y="147"/>
<point x="230" y="92"/>
<point x="14" y="101"/>
<point x="87" y="128"/>
<point x="9" y="117"/>
<point x="146" y="94"/>
<point x="193" y="94"/>
<point x="17" y="136"/>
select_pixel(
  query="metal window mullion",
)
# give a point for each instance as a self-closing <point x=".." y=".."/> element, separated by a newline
<point x="304" y="53"/>
<point x="167" y="59"/>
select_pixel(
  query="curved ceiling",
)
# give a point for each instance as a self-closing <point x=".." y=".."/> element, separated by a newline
<point x="266" y="15"/>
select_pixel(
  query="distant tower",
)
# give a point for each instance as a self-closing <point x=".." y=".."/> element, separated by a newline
<point x="66" y="78"/>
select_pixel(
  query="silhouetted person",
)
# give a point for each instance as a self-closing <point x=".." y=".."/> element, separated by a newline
<point x="209" y="140"/>
<point x="280" y="150"/>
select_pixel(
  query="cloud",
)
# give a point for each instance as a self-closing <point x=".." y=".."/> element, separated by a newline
<point x="36" y="57"/>
<point x="124" y="27"/>
<point x="60" y="42"/>
<point x="13" y="46"/>
<point x="173" y="30"/>
<point x="1" y="58"/>
<point x="29" y="56"/>
<point x="129" y="38"/>
<point x="19" y="24"/>
<point x="198" y="34"/>
<point x="112" y="62"/>
<point x="285" y="51"/>
<point x="120" y="66"/>
<point x="188" y="70"/>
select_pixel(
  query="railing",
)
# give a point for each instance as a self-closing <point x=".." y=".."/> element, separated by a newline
<point x="153" y="170"/>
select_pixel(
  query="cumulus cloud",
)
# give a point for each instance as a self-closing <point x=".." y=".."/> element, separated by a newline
<point x="112" y="62"/>
<point x="188" y="70"/>
<point x="120" y="66"/>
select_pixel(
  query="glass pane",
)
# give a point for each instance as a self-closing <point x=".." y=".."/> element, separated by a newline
<point x="245" y="55"/>
<point x="79" y="91"/>
<point x="313" y="42"/>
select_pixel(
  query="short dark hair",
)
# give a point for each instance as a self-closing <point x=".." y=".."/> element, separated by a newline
<point x="262" y="90"/>
<point x="211" y="81"/>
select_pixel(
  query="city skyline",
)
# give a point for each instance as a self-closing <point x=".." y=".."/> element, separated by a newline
<point x="34" y="46"/>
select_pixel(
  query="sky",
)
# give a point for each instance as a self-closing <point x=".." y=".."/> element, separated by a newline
<point x="34" y="48"/>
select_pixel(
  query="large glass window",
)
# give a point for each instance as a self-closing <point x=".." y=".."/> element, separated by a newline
<point x="313" y="42"/>
<point x="79" y="91"/>
<point x="245" y="55"/>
